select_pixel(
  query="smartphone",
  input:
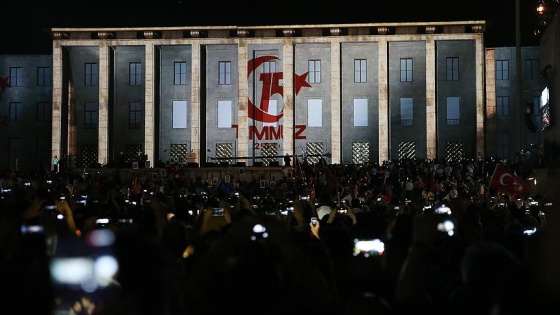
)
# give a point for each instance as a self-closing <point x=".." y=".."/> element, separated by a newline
<point x="443" y="209"/>
<point x="342" y="211"/>
<point x="368" y="247"/>
<point x="447" y="227"/>
<point x="314" y="221"/>
<point x="217" y="212"/>
<point x="102" y="222"/>
<point x="85" y="266"/>
<point x="32" y="229"/>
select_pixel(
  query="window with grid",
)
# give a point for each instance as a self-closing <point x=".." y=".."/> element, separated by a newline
<point x="360" y="71"/>
<point x="406" y="111"/>
<point x="16" y="76"/>
<point x="44" y="76"/>
<point x="452" y="69"/>
<point x="453" y="111"/>
<point x="454" y="151"/>
<point x="406" y="69"/>
<point x="224" y="72"/>
<point x="502" y="105"/>
<point x="91" y="115"/>
<point x="135" y="115"/>
<point x="180" y="73"/>
<point x="43" y="111"/>
<point x="314" y="68"/>
<point x="502" y="141"/>
<point x="502" y="69"/>
<point x="135" y="73"/>
<point x="360" y="152"/>
<point x="407" y="150"/>
<point x="91" y="74"/>
<point x="314" y="151"/>
<point x="16" y="111"/>
<point x="531" y="71"/>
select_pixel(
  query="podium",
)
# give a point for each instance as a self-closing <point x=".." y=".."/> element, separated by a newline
<point x="191" y="157"/>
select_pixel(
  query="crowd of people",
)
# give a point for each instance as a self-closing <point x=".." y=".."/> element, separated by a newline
<point x="399" y="237"/>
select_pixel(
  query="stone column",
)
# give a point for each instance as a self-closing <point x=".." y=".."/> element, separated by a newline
<point x="57" y="101"/>
<point x="243" y="97"/>
<point x="196" y="68"/>
<point x="336" y="147"/>
<point x="288" y="98"/>
<point x="383" y="99"/>
<point x="431" y="96"/>
<point x="149" y="117"/>
<point x="104" y="89"/>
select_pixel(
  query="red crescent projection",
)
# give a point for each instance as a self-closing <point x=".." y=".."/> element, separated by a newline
<point x="257" y="113"/>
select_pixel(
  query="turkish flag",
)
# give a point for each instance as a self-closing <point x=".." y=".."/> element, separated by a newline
<point x="505" y="180"/>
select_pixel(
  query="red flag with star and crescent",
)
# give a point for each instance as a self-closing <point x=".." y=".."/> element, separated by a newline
<point x="505" y="180"/>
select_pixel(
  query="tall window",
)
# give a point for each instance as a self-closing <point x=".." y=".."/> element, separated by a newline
<point x="453" y="112"/>
<point x="502" y="141"/>
<point x="16" y="111"/>
<point x="179" y="114"/>
<point x="225" y="114"/>
<point x="224" y="72"/>
<point x="360" y="71"/>
<point x="406" y="69"/>
<point x="452" y="69"/>
<point x="502" y="105"/>
<point x="44" y="76"/>
<point x="91" y="115"/>
<point x="315" y="113"/>
<point x="314" y="69"/>
<point x="91" y="74"/>
<point x="407" y="113"/>
<point x="180" y="73"/>
<point x="43" y="111"/>
<point x="135" y="115"/>
<point x="502" y="69"/>
<point x="16" y="76"/>
<point x="531" y="69"/>
<point x="361" y="112"/>
<point x="135" y="73"/>
<point x="536" y="106"/>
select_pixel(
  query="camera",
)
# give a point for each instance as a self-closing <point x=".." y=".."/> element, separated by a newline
<point x="314" y="221"/>
<point x="342" y="211"/>
<point x="304" y="197"/>
<point x="368" y="247"/>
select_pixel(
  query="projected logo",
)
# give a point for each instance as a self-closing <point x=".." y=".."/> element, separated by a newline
<point x="271" y="85"/>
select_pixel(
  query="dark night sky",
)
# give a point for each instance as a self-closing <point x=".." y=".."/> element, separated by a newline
<point x="26" y="25"/>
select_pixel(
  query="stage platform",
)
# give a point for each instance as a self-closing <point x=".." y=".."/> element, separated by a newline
<point x="231" y="173"/>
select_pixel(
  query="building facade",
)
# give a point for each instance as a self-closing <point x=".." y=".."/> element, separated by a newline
<point x="353" y="93"/>
<point x="25" y="111"/>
